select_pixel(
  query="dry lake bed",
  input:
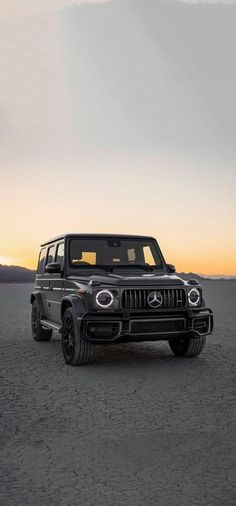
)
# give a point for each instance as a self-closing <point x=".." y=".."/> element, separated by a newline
<point x="138" y="427"/>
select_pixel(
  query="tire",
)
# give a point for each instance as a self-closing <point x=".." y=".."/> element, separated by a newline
<point x="76" y="351"/>
<point x="187" y="347"/>
<point x="38" y="332"/>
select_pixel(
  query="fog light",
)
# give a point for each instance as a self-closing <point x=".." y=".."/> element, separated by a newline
<point x="103" y="330"/>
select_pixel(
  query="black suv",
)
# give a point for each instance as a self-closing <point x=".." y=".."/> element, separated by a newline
<point x="98" y="289"/>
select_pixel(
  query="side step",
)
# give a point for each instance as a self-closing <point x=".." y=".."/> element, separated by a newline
<point x="50" y="325"/>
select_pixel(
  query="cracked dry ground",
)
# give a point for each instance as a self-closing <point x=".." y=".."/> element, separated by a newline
<point x="139" y="427"/>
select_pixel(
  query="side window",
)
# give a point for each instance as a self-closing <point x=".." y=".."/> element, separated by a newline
<point x="51" y="254"/>
<point x="148" y="256"/>
<point x="60" y="254"/>
<point x="41" y="262"/>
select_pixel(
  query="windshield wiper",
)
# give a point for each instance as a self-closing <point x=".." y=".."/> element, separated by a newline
<point x="86" y="265"/>
<point x="133" y="266"/>
<point x="107" y="268"/>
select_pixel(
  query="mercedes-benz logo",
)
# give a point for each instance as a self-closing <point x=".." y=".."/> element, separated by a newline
<point x="155" y="299"/>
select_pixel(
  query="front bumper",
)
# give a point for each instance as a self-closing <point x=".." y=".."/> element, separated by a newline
<point x="129" y="326"/>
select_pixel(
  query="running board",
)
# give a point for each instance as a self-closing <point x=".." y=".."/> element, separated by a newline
<point x="50" y="325"/>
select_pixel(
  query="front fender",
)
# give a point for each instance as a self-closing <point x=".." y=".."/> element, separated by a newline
<point x="77" y="304"/>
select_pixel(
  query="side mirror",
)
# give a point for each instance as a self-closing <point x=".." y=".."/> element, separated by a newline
<point x="171" y="268"/>
<point x="54" y="268"/>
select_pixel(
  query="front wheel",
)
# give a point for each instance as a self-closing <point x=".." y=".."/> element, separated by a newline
<point x="187" y="347"/>
<point x="76" y="351"/>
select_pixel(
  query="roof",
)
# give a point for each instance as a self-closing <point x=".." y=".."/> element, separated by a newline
<point x="120" y="236"/>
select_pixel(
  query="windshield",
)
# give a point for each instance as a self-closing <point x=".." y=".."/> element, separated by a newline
<point x="114" y="253"/>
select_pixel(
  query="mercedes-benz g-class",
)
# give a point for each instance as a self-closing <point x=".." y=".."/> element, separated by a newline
<point x="106" y="289"/>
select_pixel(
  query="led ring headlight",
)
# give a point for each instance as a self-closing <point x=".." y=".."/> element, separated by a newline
<point x="104" y="298"/>
<point x="194" y="297"/>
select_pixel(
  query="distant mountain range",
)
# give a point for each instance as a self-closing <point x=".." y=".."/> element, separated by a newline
<point x="15" y="274"/>
<point x="203" y="277"/>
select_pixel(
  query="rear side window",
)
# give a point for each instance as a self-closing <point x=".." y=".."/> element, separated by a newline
<point x="51" y="254"/>
<point x="41" y="262"/>
<point x="60" y="254"/>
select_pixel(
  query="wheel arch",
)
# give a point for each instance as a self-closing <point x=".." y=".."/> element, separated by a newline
<point x="75" y="302"/>
<point x="36" y="297"/>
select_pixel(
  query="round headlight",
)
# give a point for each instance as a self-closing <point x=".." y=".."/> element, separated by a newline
<point x="194" y="297"/>
<point x="104" y="298"/>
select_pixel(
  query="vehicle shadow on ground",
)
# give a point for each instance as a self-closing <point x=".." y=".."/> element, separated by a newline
<point x="137" y="354"/>
<point x="132" y="353"/>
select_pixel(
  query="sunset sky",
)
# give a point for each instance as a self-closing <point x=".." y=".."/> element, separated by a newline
<point x="112" y="120"/>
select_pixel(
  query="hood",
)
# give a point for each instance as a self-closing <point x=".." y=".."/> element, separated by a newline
<point x="145" y="279"/>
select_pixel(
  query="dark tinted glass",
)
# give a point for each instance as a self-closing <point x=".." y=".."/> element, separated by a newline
<point x="60" y="254"/>
<point x="51" y="254"/>
<point x="41" y="261"/>
<point x="114" y="252"/>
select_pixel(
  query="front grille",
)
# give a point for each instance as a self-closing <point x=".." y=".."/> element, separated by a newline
<point x="157" y="326"/>
<point x="138" y="298"/>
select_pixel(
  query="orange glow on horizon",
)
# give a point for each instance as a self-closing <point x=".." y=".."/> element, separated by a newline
<point x="195" y="233"/>
<point x="183" y="263"/>
<point x="8" y="261"/>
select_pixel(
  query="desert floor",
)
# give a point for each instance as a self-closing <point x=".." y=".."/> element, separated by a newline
<point x="138" y="427"/>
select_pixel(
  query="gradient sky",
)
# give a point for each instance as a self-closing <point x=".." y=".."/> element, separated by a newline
<point x="119" y="118"/>
<point x="18" y="8"/>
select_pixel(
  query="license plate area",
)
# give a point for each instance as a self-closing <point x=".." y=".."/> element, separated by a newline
<point x="158" y="326"/>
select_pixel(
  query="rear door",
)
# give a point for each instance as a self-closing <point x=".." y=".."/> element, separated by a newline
<point x="57" y="285"/>
<point x="48" y="283"/>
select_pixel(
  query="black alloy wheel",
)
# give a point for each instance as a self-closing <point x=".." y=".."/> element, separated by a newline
<point x="76" y="351"/>
<point x="187" y="347"/>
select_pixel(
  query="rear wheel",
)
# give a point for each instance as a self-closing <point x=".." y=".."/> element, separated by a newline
<point x="38" y="332"/>
<point x="191" y="347"/>
<point x="76" y="351"/>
